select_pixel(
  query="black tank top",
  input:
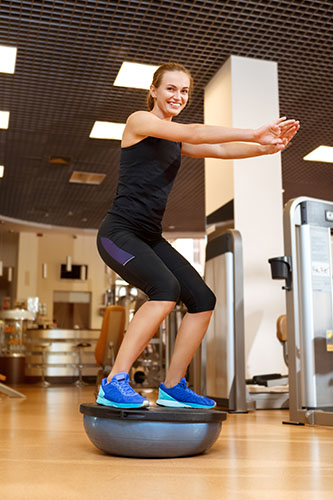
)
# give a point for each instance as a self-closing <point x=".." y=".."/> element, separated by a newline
<point x="146" y="176"/>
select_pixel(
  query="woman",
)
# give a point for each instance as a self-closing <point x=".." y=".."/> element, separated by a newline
<point x="130" y="241"/>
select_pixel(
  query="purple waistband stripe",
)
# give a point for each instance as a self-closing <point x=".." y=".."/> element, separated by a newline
<point x="115" y="252"/>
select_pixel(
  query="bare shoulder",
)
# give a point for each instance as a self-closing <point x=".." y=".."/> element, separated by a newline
<point x="138" y="116"/>
<point x="135" y="128"/>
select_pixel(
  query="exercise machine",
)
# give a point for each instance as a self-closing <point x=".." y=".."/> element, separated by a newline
<point x="222" y="351"/>
<point x="306" y="268"/>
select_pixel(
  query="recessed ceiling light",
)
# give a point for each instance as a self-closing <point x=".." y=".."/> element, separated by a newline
<point x="4" y="119"/>
<point x="107" y="130"/>
<point x="7" y="59"/>
<point x="59" y="160"/>
<point x="87" y="178"/>
<point x="134" y="75"/>
<point x="2" y="170"/>
<point x="322" y="153"/>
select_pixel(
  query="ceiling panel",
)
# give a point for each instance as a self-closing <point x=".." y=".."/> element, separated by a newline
<point x="69" y="53"/>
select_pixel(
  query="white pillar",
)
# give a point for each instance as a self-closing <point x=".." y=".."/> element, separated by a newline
<point x="244" y="94"/>
<point x="27" y="266"/>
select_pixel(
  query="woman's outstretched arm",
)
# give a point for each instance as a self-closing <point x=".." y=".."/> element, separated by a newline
<point x="238" y="150"/>
<point x="143" y="124"/>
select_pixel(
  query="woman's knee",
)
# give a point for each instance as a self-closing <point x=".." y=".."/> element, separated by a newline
<point x="207" y="301"/>
<point x="166" y="290"/>
<point x="203" y="300"/>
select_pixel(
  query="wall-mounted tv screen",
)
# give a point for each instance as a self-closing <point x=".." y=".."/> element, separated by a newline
<point x="78" y="272"/>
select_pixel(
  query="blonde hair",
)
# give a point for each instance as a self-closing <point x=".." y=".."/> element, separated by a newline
<point x="158" y="75"/>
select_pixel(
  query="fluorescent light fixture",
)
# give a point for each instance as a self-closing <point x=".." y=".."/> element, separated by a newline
<point x="69" y="263"/>
<point x="7" y="59"/>
<point x="322" y="153"/>
<point x="2" y="170"/>
<point x="107" y="130"/>
<point x="4" y="119"/>
<point x="87" y="178"/>
<point x="134" y="75"/>
<point x="83" y="272"/>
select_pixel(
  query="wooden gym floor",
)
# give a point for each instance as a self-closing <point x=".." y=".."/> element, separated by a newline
<point x="45" y="455"/>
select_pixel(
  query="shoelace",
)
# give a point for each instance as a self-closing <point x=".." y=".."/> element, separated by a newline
<point x="188" y="390"/>
<point x="183" y="385"/>
<point x="125" y="388"/>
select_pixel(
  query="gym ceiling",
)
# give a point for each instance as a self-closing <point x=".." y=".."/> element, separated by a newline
<point x="69" y="54"/>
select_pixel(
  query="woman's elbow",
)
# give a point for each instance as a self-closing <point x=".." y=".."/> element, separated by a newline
<point x="194" y="134"/>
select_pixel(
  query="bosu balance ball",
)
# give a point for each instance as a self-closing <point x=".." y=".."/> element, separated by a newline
<point x="153" y="432"/>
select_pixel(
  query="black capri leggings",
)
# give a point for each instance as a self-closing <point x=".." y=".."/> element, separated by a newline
<point x="154" y="266"/>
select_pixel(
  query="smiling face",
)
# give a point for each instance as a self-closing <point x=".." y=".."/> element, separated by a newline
<point x="171" y="96"/>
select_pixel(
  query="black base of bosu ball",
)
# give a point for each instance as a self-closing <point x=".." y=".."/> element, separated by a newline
<point x="153" y="432"/>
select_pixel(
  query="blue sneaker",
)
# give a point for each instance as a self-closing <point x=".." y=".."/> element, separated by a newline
<point x="119" y="394"/>
<point x="181" y="396"/>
